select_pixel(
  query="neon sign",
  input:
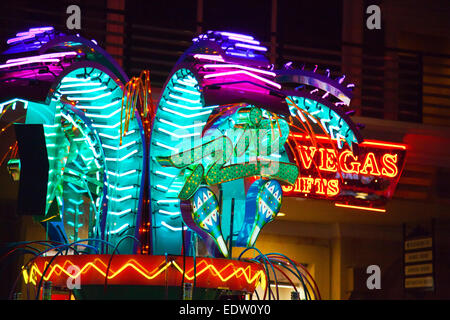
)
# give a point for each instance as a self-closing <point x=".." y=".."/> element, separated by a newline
<point x="327" y="172"/>
<point x="210" y="159"/>
<point x="144" y="270"/>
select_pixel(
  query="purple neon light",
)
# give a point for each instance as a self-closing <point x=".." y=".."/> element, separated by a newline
<point x="28" y="34"/>
<point x="211" y="57"/>
<point x="25" y="37"/>
<point x="238" y="66"/>
<point x="32" y="74"/>
<point x="243" y="39"/>
<point x="237" y="35"/>
<point x="43" y="57"/>
<point x="249" y="46"/>
<point x="41" y="29"/>
<point x="34" y="31"/>
<point x="240" y="54"/>
<point x="8" y="65"/>
<point x="21" y="34"/>
<point x="230" y="73"/>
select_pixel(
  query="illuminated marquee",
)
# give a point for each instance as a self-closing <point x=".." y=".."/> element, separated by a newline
<point x="371" y="174"/>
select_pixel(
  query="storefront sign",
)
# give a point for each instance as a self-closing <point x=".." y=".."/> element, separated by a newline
<point x="366" y="177"/>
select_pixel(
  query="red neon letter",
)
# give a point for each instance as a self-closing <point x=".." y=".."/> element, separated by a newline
<point x="343" y="162"/>
<point x="307" y="184"/>
<point x="333" y="187"/>
<point x="328" y="160"/>
<point x="370" y="163"/>
<point x="390" y="165"/>
<point x="297" y="185"/>
<point x="320" y="184"/>
<point x="307" y="159"/>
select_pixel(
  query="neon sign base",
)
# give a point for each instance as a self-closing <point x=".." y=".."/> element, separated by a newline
<point x="145" y="277"/>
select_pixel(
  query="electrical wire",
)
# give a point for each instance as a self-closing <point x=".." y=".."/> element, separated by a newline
<point x="57" y="247"/>
<point x="112" y="254"/>
<point x="305" y="289"/>
<point x="264" y="260"/>
<point x="310" y="277"/>
<point x="36" y="255"/>
<point x="294" y="265"/>
<point x="60" y="249"/>
<point x="278" y="261"/>
<point x="287" y="277"/>
<point x="23" y="251"/>
<point x="308" y="282"/>
<point x="267" y="274"/>
<point x="266" y="271"/>
<point x="21" y="244"/>
<point x="315" y="288"/>
<point x="97" y="240"/>
<point x="38" y="290"/>
<point x="300" y="275"/>
<point x="273" y="270"/>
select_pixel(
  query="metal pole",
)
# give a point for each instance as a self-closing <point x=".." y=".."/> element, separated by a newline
<point x="273" y="32"/>
<point x="231" y="229"/>
<point x="199" y="16"/>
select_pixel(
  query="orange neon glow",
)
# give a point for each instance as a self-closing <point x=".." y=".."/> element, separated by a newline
<point x="320" y="186"/>
<point x="344" y="165"/>
<point x="370" y="165"/>
<point x="307" y="155"/>
<point x="137" y="91"/>
<point x="359" y="207"/>
<point x="389" y="165"/>
<point x="148" y="270"/>
<point x="364" y="143"/>
<point x="328" y="160"/>
<point x="383" y="144"/>
<point x="333" y="187"/>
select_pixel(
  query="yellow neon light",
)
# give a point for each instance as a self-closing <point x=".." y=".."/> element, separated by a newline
<point x="58" y="270"/>
<point x="56" y="215"/>
<point x="219" y="273"/>
<point x="359" y="207"/>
